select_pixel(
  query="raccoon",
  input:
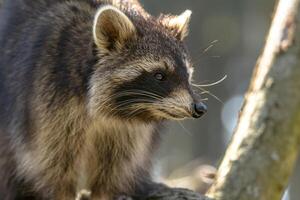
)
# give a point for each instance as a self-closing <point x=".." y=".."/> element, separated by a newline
<point x="85" y="86"/>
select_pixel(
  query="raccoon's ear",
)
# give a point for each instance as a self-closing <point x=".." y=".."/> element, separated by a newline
<point x="112" y="29"/>
<point x="179" y="25"/>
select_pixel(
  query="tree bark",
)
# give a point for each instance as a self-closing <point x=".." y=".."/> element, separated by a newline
<point x="294" y="191"/>
<point x="174" y="194"/>
<point x="264" y="148"/>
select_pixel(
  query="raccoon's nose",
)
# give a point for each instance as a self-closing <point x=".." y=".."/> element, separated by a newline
<point x="199" y="109"/>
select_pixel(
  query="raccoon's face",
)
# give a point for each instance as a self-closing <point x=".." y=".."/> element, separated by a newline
<point x="143" y="70"/>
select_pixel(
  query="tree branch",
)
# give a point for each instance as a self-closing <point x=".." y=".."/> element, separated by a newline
<point x="262" y="154"/>
<point x="175" y="194"/>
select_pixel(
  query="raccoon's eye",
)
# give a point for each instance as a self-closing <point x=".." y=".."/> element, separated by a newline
<point x="160" y="76"/>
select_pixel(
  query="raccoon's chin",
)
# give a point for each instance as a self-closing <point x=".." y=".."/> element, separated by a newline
<point x="176" y="118"/>
<point x="173" y="116"/>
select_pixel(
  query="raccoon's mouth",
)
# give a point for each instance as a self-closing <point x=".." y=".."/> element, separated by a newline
<point x="173" y="116"/>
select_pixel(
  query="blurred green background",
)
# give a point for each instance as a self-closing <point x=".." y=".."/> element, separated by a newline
<point x="226" y="38"/>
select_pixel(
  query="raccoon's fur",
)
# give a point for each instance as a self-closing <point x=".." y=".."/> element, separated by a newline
<point x="84" y="87"/>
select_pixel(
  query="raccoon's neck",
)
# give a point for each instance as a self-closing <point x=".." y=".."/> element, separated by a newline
<point x="115" y="154"/>
<point x="72" y="152"/>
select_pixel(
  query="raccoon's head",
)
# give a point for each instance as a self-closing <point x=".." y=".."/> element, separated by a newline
<point x="143" y="70"/>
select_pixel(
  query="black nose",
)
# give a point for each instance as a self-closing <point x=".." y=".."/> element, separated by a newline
<point x="199" y="109"/>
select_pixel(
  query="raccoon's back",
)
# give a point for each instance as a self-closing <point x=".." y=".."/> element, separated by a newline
<point x="37" y="49"/>
<point x="14" y="51"/>
<point x="34" y="43"/>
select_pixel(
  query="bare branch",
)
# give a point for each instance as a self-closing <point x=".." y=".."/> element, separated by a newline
<point x="262" y="154"/>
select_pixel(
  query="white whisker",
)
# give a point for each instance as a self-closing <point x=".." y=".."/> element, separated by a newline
<point x="212" y="84"/>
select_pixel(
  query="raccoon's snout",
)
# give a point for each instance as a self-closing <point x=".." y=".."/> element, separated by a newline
<point x="199" y="109"/>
